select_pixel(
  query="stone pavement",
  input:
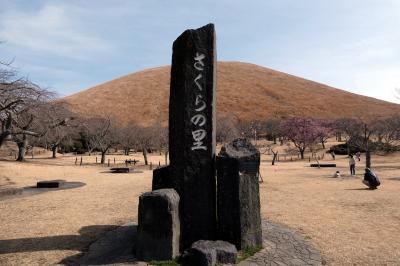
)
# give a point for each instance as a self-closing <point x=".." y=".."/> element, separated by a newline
<point x="281" y="247"/>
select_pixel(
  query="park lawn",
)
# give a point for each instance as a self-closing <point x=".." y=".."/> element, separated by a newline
<point x="350" y="225"/>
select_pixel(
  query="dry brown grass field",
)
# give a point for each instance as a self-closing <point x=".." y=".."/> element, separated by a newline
<point x="245" y="91"/>
<point x="349" y="224"/>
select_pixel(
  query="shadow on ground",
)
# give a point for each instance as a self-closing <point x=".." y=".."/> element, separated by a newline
<point x="113" y="249"/>
<point x="8" y="193"/>
<point x="63" y="242"/>
<point x="116" y="246"/>
<point x="363" y="189"/>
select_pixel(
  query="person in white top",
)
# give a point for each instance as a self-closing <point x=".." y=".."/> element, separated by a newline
<point x="352" y="164"/>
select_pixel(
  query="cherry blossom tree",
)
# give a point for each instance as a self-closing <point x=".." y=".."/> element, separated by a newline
<point x="302" y="132"/>
<point x="325" y="130"/>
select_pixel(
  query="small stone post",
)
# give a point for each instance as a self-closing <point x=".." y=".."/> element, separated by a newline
<point x="159" y="226"/>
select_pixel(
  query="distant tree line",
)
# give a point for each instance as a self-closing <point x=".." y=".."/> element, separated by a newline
<point x="31" y="116"/>
<point x="381" y="135"/>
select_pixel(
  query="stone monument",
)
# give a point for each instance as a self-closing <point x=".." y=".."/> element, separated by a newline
<point x="192" y="169"/>
<point x="192" y="134"/>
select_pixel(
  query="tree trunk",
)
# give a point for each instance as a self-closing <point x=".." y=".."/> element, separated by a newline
<point x="339" y="137"/>
<point x="281" y="140"/>
<point x="3" y="136"/>
<point x="368" y="159"/>
<point x="54" y="149"/>
<point x="103" y="157"/>
<point x="323" y="143"/>
<point x="5" y="130"/>
<point x="22" y="149"/>
<point x="274" y="139"/>
<point x="145" y="156"/>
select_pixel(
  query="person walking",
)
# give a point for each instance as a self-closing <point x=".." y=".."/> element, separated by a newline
<point x="352" y="164"/>
<point x="333" y="155"/>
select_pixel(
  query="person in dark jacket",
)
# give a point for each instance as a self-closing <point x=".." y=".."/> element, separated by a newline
<point x="370" y="179"/>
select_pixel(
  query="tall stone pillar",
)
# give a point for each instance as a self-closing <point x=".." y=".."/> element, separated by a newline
<point x="238" y="201"/>
<point x="192" y="132"/>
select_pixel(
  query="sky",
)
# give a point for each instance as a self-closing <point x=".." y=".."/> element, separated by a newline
<point x="69" y="46"/>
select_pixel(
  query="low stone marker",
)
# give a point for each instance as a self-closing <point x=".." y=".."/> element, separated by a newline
<point x="158" y="233"/>
<point x="323" y="165"/>
<point x="238" y="199"/>
<point x="209" y="253"/>
<point x="48" y="184"/>
<point x="120" y="170"/>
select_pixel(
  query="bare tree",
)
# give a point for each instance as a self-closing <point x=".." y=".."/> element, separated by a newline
<point x="18" y="100"/>
<point x="271" y="128"/>
<point x="161" y="140"/>
<point x="362" y="135"/>
<point x="226" y="129"/>
<point x="387" y="132"/>
<point x="25" y="126"/>
<point x="347" y="128"/>
<point x="249" y="129"/>
<point x="57" y="124"/>
<point x="101" y="135"/>
<point x="145" y="139"/>
<point x="128" y="137"/>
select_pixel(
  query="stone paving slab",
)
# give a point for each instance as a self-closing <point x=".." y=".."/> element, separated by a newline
<point x="281" y="247"/>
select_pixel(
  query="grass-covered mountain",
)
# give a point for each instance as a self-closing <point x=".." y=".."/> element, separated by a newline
<point x="246" y="91"/>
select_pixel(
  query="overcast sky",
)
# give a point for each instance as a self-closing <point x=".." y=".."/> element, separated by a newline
<point x="73" y="45"/>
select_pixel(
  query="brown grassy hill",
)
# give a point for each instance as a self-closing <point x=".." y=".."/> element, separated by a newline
<point x="246" y="91"/>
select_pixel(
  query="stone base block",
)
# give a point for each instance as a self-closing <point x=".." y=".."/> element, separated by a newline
<point x="159" y="226"/>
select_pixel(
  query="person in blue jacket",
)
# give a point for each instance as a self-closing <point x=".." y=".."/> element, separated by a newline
<point x="370" y="179"/>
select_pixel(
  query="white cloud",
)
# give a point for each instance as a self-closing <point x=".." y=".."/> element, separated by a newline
<point x="53" y="29"/>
